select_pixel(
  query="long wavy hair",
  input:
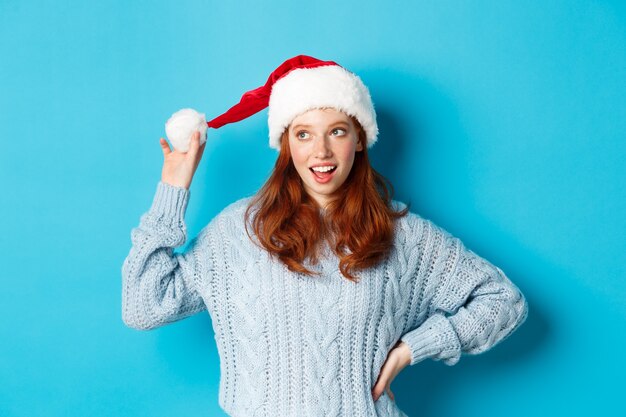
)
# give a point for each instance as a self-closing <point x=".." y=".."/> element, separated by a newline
<point x="358" y="222"/>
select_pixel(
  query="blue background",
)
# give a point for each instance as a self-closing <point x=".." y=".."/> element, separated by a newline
<point x="502" y="121"/>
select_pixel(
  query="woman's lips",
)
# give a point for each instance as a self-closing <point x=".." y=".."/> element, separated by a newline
<point x="323" y="177"/>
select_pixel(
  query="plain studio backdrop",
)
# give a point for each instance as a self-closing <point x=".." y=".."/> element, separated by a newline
<point x="502" y="121"/>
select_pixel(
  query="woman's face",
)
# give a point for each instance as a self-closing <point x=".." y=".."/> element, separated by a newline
<point x="323" y="138"/>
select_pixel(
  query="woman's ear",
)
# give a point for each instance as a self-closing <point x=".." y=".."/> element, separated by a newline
<point x="359" y="146"/>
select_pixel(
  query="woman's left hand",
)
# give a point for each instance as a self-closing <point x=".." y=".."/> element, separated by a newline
<point x="398" y="358"/>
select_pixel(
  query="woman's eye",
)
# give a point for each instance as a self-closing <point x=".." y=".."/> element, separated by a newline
<point x="343" y="132"/>
<point x="300" y="134"/>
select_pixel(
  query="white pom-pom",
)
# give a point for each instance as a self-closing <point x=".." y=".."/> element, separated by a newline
<point x="182" y="124"/>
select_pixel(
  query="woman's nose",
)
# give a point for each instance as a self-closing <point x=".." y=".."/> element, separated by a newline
<point x="322" y="146"/>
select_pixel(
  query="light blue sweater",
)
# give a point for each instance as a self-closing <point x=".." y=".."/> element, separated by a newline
<point x="292" y="345"/>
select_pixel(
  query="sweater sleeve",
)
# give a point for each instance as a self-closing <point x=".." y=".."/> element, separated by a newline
<point x="158" y="285"/>
<point x="475" y="305"/>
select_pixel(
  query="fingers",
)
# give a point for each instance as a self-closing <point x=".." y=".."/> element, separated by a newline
<point x="390" y="393"/>
<point x="165" y="147"/>
<point x="194" y="146"/>
<point x="379" y="388"/>
<point x="375" y="395"/>
<point x="202" y="147"/>
<point x="383" y="383"/>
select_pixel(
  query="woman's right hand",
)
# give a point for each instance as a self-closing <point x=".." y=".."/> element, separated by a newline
<point x="179" y="167"/>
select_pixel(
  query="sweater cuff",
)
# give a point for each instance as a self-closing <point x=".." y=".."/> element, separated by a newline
<point x="435" y="339"/>
<point x="170" y="202"/>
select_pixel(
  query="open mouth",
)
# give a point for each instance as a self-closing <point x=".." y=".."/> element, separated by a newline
<point x="323" y="175"/>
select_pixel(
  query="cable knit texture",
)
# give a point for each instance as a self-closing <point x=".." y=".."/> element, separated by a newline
<point x="293" y="345"/>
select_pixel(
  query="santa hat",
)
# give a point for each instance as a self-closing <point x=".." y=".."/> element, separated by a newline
<point x="299" y="84"/>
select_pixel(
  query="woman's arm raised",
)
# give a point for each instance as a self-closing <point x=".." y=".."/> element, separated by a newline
<point x="158" y="286"/>
<point x="475" y="306"/>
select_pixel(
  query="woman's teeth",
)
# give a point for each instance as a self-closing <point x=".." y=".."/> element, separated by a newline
<point x="323" y="169"/>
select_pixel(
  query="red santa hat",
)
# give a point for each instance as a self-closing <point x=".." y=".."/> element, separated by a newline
<point x="299" y="84"/>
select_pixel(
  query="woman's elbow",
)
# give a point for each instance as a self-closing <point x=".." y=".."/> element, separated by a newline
<point x="134" y="318"/>
<point x="136" y="323"/>
<point x="517" y="309"/>
<point x="514" y="306"/>
<point x="521" y="309"/>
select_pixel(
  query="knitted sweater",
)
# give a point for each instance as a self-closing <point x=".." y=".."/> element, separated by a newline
<point x="293" y="345"/>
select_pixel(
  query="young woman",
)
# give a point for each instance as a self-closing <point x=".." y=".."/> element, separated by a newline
<point x="321" y="287"/>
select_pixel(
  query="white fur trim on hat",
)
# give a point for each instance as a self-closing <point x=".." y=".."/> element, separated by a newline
<point x="304" y="89"/>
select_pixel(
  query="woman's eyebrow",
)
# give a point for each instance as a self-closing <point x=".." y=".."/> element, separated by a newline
<point x="338" y="122"/>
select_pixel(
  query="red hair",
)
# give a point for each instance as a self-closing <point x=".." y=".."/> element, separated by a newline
<point x="359" y="217"/>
